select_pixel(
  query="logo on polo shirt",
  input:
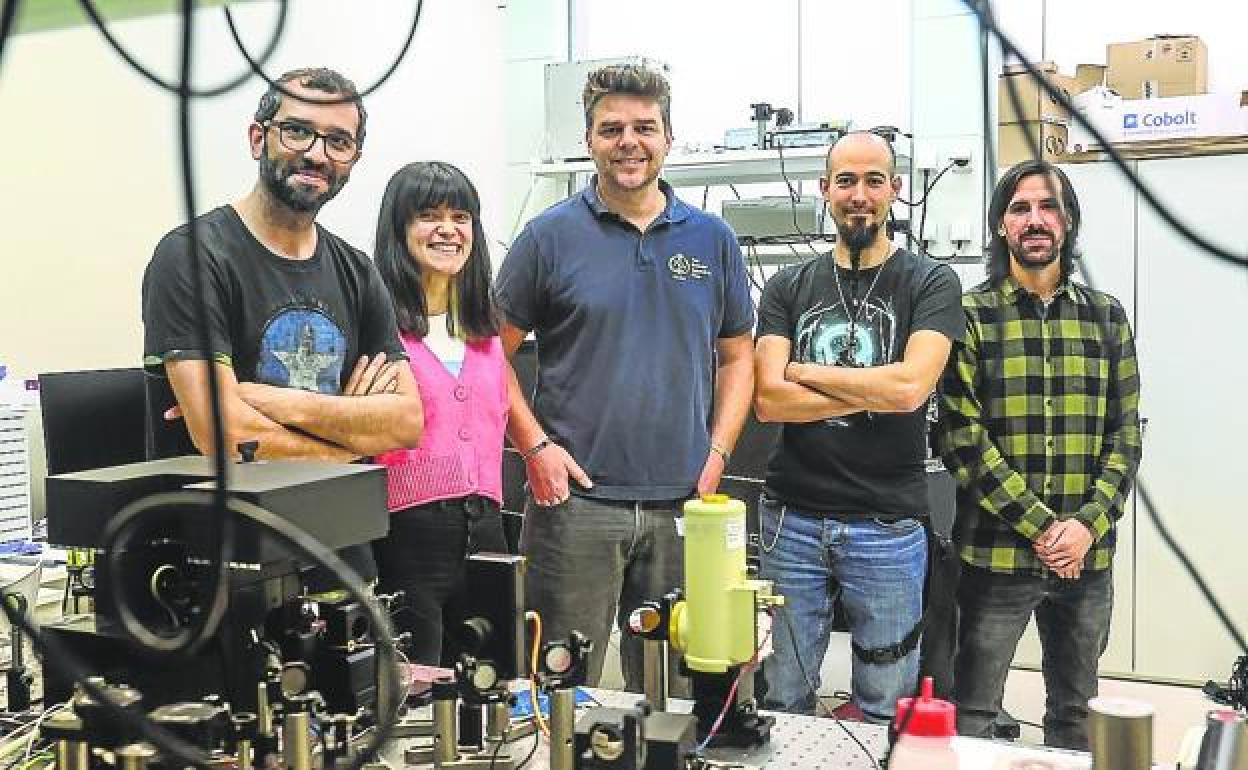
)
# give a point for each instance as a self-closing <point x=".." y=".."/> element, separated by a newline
<point x="683" y="268"/>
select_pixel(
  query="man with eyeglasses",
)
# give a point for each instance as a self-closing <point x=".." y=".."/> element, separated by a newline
<point x="300" y="326"/>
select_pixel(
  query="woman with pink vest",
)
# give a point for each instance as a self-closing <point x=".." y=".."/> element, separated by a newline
<point x="444" y="496"/>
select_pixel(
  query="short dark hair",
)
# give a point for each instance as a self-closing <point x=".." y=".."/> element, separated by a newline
<point x="629" y="79"/>
<point x="415" y="188"/>
<point x="892" y="151"/>
<point x="317" y="79"/>
<point x="998" y="265"/>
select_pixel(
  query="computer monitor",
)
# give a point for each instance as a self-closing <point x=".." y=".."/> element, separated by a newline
<point x="93" y="419"/>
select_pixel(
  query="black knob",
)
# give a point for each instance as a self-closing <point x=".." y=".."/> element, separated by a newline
<point x="247" y="450"/>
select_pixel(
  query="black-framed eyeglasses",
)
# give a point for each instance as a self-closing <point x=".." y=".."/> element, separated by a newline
<point x="340" y="147"/>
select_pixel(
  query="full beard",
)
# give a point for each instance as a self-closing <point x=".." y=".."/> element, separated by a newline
<point x="1033" y="261"/>
<point x="276" y="177"/>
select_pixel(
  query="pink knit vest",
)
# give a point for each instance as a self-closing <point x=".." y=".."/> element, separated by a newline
<point x="461" y="451"/>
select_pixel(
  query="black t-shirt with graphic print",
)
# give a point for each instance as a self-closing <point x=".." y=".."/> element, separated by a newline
<point x="290" y="323"/>
<point x="864" y="463"/>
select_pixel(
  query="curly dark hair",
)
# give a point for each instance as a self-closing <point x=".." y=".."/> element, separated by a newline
<point x="317" y="79"/>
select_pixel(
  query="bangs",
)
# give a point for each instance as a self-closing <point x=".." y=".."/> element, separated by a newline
<point x="433" y="184"/>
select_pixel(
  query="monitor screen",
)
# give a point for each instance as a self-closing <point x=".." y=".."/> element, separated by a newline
<point x="92" y="419"/>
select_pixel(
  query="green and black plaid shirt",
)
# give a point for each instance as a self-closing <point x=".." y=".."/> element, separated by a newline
<point x="1039" y="422"/>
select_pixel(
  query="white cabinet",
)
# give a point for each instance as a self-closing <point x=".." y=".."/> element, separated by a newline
<point x="1190" y="314"/>
<point x="1194" y="360"/>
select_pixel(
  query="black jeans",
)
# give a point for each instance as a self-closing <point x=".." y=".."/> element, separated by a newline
<point x="423" y="556"/>
<point x="1072" y="617"/>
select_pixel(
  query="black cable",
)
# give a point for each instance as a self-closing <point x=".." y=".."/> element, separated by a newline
<point x="927" y="188"/>
<point x="394" y="65"/>
<point x="8" y="17"/>
<point x="753" y="263"/>
<point x="93" y="13"/>
<point x="307" y="547"/>
<point x="1235" y="693"/>
<point x="222" y="535"/>
<point x="810" y="684"/>
<point x="978" y="7"/>
<point x="794" y="197"/>
<point x="498" y="749"/>
<point x="1225" y="619"/>
<point x="923" y="215"/>
<point x="537" y="741"/>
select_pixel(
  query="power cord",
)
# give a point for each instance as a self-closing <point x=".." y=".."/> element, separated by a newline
<point x="927" y="188"/>
<point x="1235" y="693"/>
<point x="794" y="197"/>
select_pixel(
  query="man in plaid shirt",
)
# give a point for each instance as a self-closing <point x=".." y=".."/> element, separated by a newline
<point x="1040" y="428"/>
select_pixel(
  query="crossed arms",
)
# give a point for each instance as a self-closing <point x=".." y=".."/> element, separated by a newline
<point x="379" y="410"/>
<point x="789" y="391"/>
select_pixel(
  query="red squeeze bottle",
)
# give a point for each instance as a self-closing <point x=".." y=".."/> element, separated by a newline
<point x="926" y="741"/>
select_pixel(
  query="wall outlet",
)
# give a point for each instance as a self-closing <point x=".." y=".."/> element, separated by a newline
<point x="960" y="232"/>
<point x="961" y="160"/>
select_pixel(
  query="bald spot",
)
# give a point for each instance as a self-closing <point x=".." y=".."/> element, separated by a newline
<point x="861" y="148"/>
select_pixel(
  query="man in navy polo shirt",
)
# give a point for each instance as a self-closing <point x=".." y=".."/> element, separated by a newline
<point x="641" y="309"/>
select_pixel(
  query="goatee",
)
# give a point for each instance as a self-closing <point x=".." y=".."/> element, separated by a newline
<point x="857" y="237"/>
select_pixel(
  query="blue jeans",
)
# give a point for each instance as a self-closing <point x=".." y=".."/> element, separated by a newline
<point x="877" y="567"/>
<point x="1072" y="617"/>
<point x="591" y="563"/>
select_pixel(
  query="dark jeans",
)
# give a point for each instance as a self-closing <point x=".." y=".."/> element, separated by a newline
<point x="1072" y="617"/>
<point x="591" y="563"/>
<point x="359" y="558"/>
<point x="423" y="556"/>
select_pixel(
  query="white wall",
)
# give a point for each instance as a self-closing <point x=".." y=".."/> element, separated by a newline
<point x="91" y="179"/>
<point x="854" y="61"/>
<point x="851" y="60"/>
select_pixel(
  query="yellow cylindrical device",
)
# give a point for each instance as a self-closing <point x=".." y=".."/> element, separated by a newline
<point x="717" y="624"/>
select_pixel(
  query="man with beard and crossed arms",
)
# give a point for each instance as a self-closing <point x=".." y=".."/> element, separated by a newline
<point x="850" y="346"/>
<point x="302" y="331"/>
<point x="1040" y="427"/>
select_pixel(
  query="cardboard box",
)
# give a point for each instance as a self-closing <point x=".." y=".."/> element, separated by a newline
<point x="1013" y="147"/>
<point x="1161" y="66"/>
<point x="1151" y="120"/>
<point x="1034" y="102"/>
<point x="1090" y="75"/>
